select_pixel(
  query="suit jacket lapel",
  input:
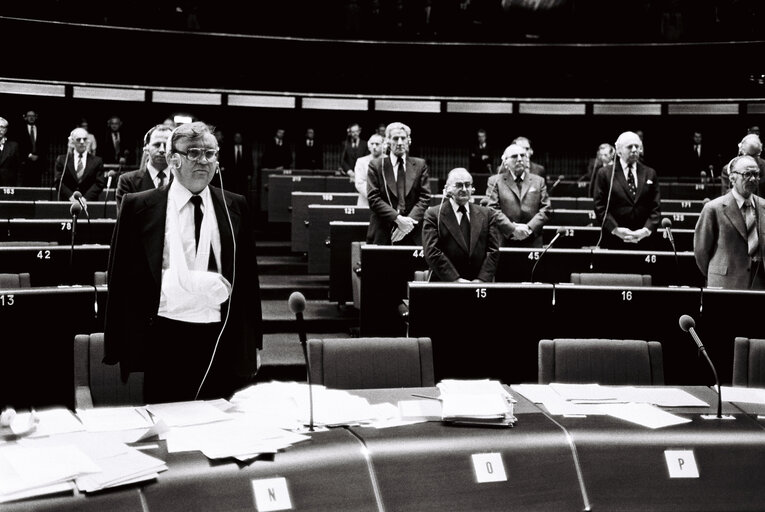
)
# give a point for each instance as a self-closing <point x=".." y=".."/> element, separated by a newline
<point x="476" y="224"/>
<point x="410" y="174"/>
<point x="146" y="182"/>
<point x="153" y="216"/>
<point x="525" y="185"/>
<point x="390" y="179"/>
<point x="619" y="178"/>
<point x="4" y="152"/>
<point x="640" y="170"/>
<point x="507" y="177"/>
<point x="226" y="240"/>
<point x="449" y="218"/>
<point x="734" y="215"/>
<point x="70" y="167"/>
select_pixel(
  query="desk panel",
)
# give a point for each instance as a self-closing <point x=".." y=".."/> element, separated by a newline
<point x="97" y="231"/>
<point x="341" y="237"/>
<point x="27" y="193"/>
<point x="49" y="265"/>
<point x="319" y="217"/>
<point x="577" y="237"/>
<point x="660" y="265"/>
<point x="481" y="331"/>
<point x="61" y="209"/>
<point x="516" y="264"/>
<point x="300" y="202"/>
<point x="280" y="188"/>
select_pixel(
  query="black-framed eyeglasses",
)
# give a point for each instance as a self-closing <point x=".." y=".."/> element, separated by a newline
<point x="467" y="185"/>
<point x="748" y="175"/>
<point x="195" y="154"/>
<point x="81" y="139"/>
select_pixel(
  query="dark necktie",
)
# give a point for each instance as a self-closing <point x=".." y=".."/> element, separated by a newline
<point x="80" y="167"/>
<point x="519" y="183"/>
<point x="161" y="178"/>
<point x="631" y="181"/>
<point x="752" y="238"/>
<point x="401" y="186"/>
<point x="116" y="144"/>
<point x="32" y="138"/>
<point x="198" y="216"/>
<point x="464" y="225"/>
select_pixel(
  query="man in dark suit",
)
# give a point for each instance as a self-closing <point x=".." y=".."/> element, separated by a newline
<point x="627" y="199"/>
<point x="398" y="192"/>
<point x="116" y="146"/>
<point x="78" y="170"/>
<point x="33" y="144"/>
<point x="10" y="160"/>
<point x="729" y="241"/>
<point x="276" y="153"/>
<point x="184" y="299"/>
<point x="308" y="154"/>
<point x="153" y="172"/>
<point x="521" y="196"/>
<point x="354" y="148"/>
<point x="237" y="165"/>
<point x="481" y="159"/>
<point x="461" y="239"/>
<point x="700" y="159"/>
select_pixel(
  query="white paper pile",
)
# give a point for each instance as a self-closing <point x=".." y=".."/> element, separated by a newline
<point x="475" y="401"/>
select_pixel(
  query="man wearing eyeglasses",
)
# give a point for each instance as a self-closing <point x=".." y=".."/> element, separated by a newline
<point x="521" y="196"/>
<point x="78" y="170"/>
<point x="184" y="299"/>
<point x="461" y="239"/>
<point x="729" y="237"/>
<point x="153" y="172"/>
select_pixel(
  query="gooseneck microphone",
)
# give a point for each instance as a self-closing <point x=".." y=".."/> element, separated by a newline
<point x="74" y="210"/>
<point x="109" y="177"/>
<point x="666" y="223"/>
<point x="687" y="324"/>
<point x="297" y="305"/>
<point x="552" y="187"/>
<point x="78" y="197"/>
<point x="560" y="231"/>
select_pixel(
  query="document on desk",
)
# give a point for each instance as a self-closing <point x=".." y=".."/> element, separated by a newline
<point x="181" y="414"/>
<point x="29" y="466"/>
<point x="105" y="419"/>
<point x="646" y="415"/>
<point x="744" y="395"/>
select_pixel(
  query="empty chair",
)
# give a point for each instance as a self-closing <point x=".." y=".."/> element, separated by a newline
<point x="368" y="363"/>
<point x="749" y="362"/>
<point x="607" y="279"/>
<point x="97" y="384"/>
<point x="602" y="361"/>
<point x="15" y="280"/>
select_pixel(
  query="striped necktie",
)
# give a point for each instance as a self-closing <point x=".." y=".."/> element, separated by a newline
<point x="752" y="238"/>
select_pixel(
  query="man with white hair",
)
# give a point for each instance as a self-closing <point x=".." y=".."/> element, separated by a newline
<point x="750" y="145"/>
<point x="626" y="196"/>
<point x="461" y="239"/>
<point x="78" y="170"/>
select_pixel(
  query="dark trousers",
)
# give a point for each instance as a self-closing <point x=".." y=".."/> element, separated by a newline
<point x="180" y="353"/>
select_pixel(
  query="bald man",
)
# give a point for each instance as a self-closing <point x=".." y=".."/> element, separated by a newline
<point x="626" y="196"/>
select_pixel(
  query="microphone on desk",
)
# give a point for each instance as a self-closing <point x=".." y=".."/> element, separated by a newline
<point x="296" y="303"/>
<point x="687" y="324"/>
<point x="552" y="187"/>
<point x="74" y="210"/>
<point x="558" y="232"/>
<point x="78" y="197"/>
<point x="666" y="223"/>
<point x="109" y="177"/>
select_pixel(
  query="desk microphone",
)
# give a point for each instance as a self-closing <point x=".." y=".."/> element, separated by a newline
<point x="558" y="232"/>
<point x="297" y="305"/>
<point x="109" y="176"/>
<point x="552" y="187"/>
<point x="687" y="324"/>
<point x="74" y="210"/>
<point x="78" y="197"/>
<point x="666" y="223"/>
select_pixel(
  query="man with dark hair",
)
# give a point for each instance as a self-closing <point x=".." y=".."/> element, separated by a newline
<point x="481" y="159"/>
<point x="33" y="144"/>
<point x="354" y="147"/>
<point x="153" y="172"/>
<point x="184" y="299"/>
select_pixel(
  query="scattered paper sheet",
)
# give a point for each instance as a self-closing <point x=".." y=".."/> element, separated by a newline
<point x="181" y="414"/>
<point x="745" y="395"/>
<point x="643" y="414"/>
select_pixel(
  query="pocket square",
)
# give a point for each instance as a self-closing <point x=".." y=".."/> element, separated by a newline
<point x="649" y="182"/>
<point x="532" y="189"/>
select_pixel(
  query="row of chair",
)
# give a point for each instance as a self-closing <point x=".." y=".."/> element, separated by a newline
<point x="371" y="363"/>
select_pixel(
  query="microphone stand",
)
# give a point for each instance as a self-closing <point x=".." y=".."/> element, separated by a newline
<point x="703" y="350"/>
<point x="304" y="344"/>
<point x="557" y="235"/>
<point x="71" y="248"/>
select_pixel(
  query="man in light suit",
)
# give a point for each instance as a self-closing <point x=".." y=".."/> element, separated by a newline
<point x="461" y="239"/>
<point x="397" y="191"/>
<point x="729" y="241"/>
<point x="521" y="196"/>
<point x="534" y="167"/>
<point x="10" y="159"/>
<point x="78" y="170"/>
<point x="184" y="299"/>
<point x="626" y="196"/>
<point x="153" y="172"/>
<point x="375" y="145"/>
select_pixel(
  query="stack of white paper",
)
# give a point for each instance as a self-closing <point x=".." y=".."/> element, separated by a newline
<point x="475" y="400"/>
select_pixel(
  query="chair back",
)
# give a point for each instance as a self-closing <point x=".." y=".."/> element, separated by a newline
<point x="99" y="278"/>
<point x="15" y="280"/>
<point x="368" y="363"/>
<point x="749" y="362"/>
<point x="97" y="384"/>
<point x="602" y="361"/>
<point x="609" y="279"/>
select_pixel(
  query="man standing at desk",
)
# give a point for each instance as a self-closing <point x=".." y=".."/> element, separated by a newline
<point x="461" y="239"/>
<point x="729" y="238"/>
<point x="78" y="170"/>
<point x="154" y="174"/>
<point x="626" y="196"/>
<point x="184" y="300"/>
<point x="398" y="192"/>
<point x="521" y="196"/>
